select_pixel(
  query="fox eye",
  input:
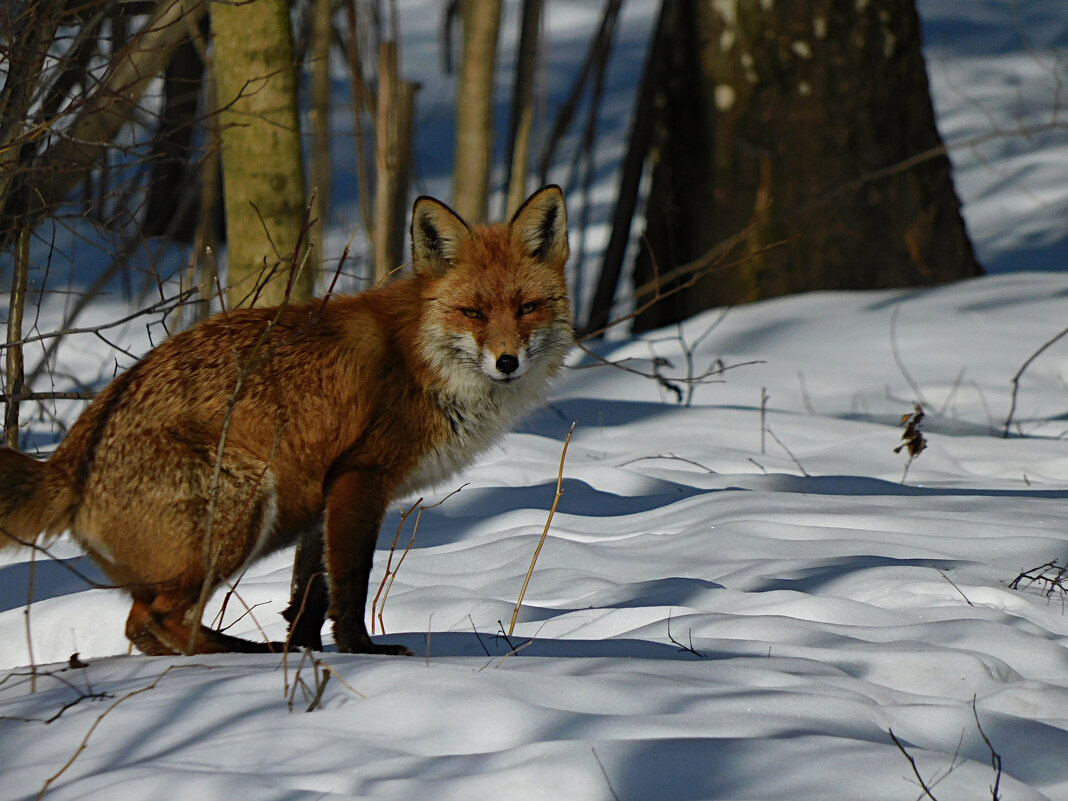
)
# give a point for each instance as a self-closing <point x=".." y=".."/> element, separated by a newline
<point x="472" y="314"/>
<point x="528" y="307"/>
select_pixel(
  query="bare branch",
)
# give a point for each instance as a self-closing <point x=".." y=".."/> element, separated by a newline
<point x="912" y="762"/>
<point x="112" y="105"/>
<point x="1019" y="373"/>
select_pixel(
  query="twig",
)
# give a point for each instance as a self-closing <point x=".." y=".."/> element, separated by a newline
<point x="712" y="261"/>
<point x="330" y="669"/>
<point x="478" y="636"/>
<point x="952" y="392"/>
<point x="1019" y="373"/>
<point x="545" y="530"/>
<point x="46" y="396"/>
<point x="912" y="762"/>
<point x="1038" y="575"/>
<point x="503" y="635"/>
<point x="85" y="740"/>
<point x="764" y="397"/>
<point x="995" y="757"/>
<point x="688" y="649"/>
<point x="165" y="305"/>
<point x="667" y="456"/>
<point x="96" y="585"/>
<point x="900" y="363"/>
<point x="517" y="648"/>
<point x="232" y="592"/>
<point x="320" y="686"/>
<point x="389" y="562"/>
<point x="605" y="774"/>
<point x="292" y="626"/>
<point x="958" y="589"/>
<point x="91" y="695"/>
<point x="716" y="368"/>
<point x="26" y="612"/>
<point x="789" y="453"/>
<point x="291" y="694"/>
<point x="388" y="576"/>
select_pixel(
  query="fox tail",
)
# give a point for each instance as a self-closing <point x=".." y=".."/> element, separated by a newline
<point x="32" y="502"/>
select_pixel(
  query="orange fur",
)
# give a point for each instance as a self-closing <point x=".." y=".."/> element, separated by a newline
<point x="259" y="428"/>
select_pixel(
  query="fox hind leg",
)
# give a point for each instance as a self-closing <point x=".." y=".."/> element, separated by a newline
<point x="164" y="627"/>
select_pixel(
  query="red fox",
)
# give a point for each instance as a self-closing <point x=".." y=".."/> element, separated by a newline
<point x="260" y="428"/>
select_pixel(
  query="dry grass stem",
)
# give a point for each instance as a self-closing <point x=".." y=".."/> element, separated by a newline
<point x="545" y="530"/>
<point x="389" y="563"/>
<point x="85" y="740"/>
<point x="391" y="573"/>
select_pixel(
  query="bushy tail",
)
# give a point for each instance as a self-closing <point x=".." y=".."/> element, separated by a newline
<point x="31" y="501"/>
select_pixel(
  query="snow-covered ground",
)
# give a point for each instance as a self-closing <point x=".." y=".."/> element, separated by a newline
<point x="738" y="598"/>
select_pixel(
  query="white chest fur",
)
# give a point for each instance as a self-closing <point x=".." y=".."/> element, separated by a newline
<point x="475" y="420"/>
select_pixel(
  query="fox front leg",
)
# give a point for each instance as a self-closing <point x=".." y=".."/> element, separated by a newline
<point x="309" y="596"/>
<point x="355" y="506"/>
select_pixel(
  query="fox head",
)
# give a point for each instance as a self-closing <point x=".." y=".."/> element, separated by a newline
<point x="496" y="307"/>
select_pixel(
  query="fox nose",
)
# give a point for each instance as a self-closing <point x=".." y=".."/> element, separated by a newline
<point x="507" y="363"/>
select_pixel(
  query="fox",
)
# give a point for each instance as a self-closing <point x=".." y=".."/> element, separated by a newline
<point x="260" y="428"/>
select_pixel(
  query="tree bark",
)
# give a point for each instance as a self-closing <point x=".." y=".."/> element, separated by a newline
<point x="15" y="376"/>
<point x="393" y="151"/>
<point x="810" y="127"/>
<point x="522" y="120"/>
<point x="319" y="156"/>
<point x="172" y="205"/>
<point x="263" y="177"/>
<point x="474" y="109"/>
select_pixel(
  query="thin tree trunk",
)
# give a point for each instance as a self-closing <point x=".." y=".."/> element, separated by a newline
<point x="638" y="145"/>
<point x="322" y="36"/>
<point x="263" y="177"/>
<point x="474" y="109"/>
<point x="522" y="120"/>
<point x="13" y="357"/>
<point x="396" y="99"/>
<point x="206" y="243"/>
<point x="361" y="103"/>
<point x="172" y="203"/>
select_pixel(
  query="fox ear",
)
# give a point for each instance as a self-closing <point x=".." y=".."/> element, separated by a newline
<point x="437" y="232"/>
<point x="540" y="226"/>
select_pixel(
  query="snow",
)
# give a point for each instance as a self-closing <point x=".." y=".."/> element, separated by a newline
<point x="738" y="598"/>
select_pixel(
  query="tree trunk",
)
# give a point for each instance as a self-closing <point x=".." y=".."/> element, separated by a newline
<point x="810" y="128"/>
<point x="522" y="120"/>
<point x="474" y="109"/>
<point x="172" y="205"/>
<point x="14" y="364"/>
<point x="263" y="178"/>
<point x="319" y="156"/>
<point x="393" y="158"/>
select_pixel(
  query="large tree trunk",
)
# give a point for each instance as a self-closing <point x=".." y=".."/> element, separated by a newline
<point x="263" y="178"/>
<point x="809" y="127"/>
